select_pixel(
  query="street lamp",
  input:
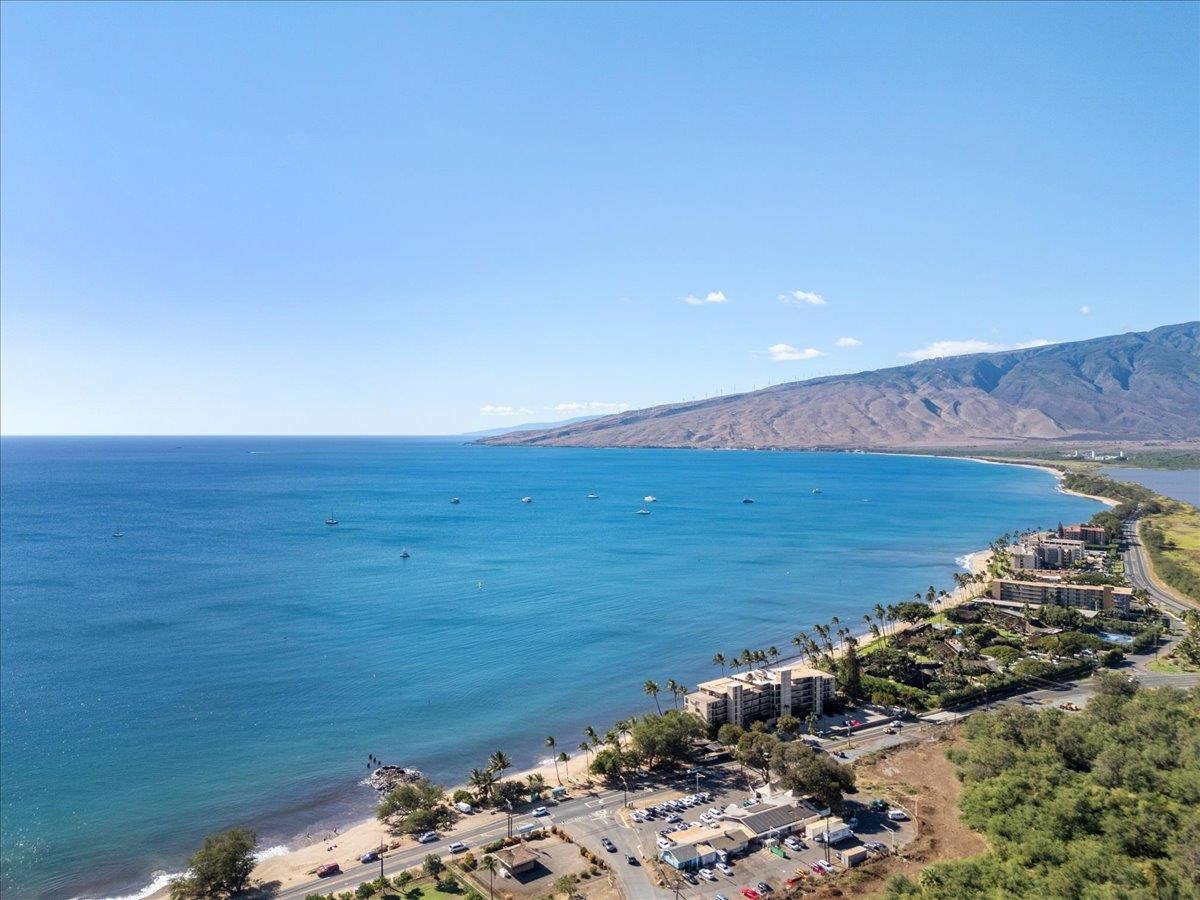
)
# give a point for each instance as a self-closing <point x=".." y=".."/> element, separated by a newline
<point x="625" y="782"/>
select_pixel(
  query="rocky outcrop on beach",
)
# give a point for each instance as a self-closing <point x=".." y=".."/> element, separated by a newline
<point x="386" y="778"/>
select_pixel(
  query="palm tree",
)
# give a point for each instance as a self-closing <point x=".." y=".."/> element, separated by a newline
<point x="673" y="690"/>
<point x="537" y="784"/>
<point x="773" y="653"/>
<point x="482" y="780"/>
<point x="875" y="632"/>
<point x="585" y="748"/>
<point x="551" y="743"/>
<point x="564" y="757"/>
<point x="499" y="762"/>
<point x="591" y="735"/>
<point x="719" y="660"/>
<point x="488" y="864"/>
<point x="801" y="642"/>
<point x="651" y="688"/>
<point x="880" y="614"/>
<point x="931" y="594"/>
<point x="612" y="737"/>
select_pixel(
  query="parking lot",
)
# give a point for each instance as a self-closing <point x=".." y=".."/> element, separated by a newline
<point x="776" y="866"/>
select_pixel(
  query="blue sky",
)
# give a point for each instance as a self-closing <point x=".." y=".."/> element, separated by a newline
<point x="377" y="219"/>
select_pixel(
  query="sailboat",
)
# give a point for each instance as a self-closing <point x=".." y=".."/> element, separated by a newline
<point x="331" y="520"/>
<point x="643" y="511"/>
<point x="118" y="534"/>
<point x="404" y="554"/>
<point x="455" y="501"/>
<point x="650" y="498"/>
<point x="526" y="499"/>
<point x="593" y="496"/>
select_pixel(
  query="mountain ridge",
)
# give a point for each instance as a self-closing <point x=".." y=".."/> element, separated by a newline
<point x="1133" y="386"/>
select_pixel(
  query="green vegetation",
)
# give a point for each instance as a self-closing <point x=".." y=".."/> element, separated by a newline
<point x="666" y="738"/>
<point x="220" y="868"/>
<point x="414" y="807"/>
<point x="1172" y="538"/>
<point x="1103" y="803"/>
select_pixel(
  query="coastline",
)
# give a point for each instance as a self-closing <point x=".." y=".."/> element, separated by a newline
<point x="290" y="866"/>
<point x="294" y="864"/>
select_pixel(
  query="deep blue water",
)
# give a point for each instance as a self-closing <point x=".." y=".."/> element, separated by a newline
<point x="232" y="660"/>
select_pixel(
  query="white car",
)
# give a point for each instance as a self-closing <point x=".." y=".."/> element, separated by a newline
<point x="724" y="869"/>
<point x="457" y="847"/>
<point x="792" y="843"/>
<point x="672" y="819"/>
<point x="897" y="815"/>
<point x="428" y="837"/>
<point x="707" y="873"/>
<point x="541" y="811"/>
<point x="823" y="866"/>
<point x="665" y="843"/>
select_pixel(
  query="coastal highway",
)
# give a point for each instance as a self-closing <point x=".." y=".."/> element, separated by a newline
<point x="587" y="818"/>
<point x="1137" y="569"/>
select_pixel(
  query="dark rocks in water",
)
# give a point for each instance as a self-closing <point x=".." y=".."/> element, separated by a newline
<point x="385" y="778"/>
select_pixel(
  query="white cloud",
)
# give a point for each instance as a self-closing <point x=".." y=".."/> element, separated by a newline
<point x="849" y="342"/>
<point x="786" y="352"/>
<point x="938" y="349"/>
<point x="802" y="298"/>
<point x="1085" y="310"/>
<point x="710" y="297"/>
<point x="592" y="406"/>
<point x="491" y="410"/>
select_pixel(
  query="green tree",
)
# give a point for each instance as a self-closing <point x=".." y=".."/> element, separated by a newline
<point x="668" y="737"/>
<point x="483" y="781"/>
<point x="651" y="689"/>
<point x="851" y="670"/>
<point x="729" y="734"/>
<point x="719" y="660"/>
<point x="754" y="751"/>
<point x="551" y="743"/>
<point x="220" y="868"/>
<point x="510" y="791"/>
<point x="488" y="864"/>
<point x="404" y="798"/>
<point x="565" y="884"/>
<point x="499" y="762"/>
<point x="787" y="724"/>
<point x="433" y="865"/>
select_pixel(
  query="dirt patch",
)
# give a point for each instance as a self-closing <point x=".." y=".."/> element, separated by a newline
<point x="922" y="779"/>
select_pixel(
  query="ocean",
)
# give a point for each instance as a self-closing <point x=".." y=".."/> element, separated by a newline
<point x="1182" y="484"/>
<point x="231" y="659"/>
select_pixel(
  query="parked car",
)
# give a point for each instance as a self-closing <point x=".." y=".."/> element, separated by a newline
<point x="897" y="815"/>
<point x="817" y="869"/>
<point x="690" y="878"/>
<point x="541" y="811"/>
<point x="764" y="888"/>
<point x="708" y="874"/>
<point x="631" y="859"/>
<point x="369" y="857"/>
<point x="878" y="805"/>
<point x="720" y="897"/>
<point x="724" y="869"/>
<point x="608" y="845"/>
<point x="457" y="847"/>
<point x="329" y="869"/>
<point x="428" y="837"/>
<point x="751" y="894"/>
<point x="673" y="818"/>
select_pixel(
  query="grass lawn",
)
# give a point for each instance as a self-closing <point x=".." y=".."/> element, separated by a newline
<point x="1178" y="563"/>
<point x="1171" y="667"/>
<point x="423" y="890"/>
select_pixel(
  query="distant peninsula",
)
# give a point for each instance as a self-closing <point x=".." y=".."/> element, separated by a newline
<point x="1138" y="387"/>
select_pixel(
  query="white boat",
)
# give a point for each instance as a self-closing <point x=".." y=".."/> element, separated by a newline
<point x="650" y="498"/>
<point x="331" y="521"/>
<point x="118" y="534"/>
<point x="593" y="496"/>
<point x="404" y="554"/>
<point x="816" y="490"/>
<point x="643" y="511"/>
<point x="747" y="499"/>
<point x="526" y="499"/>
<point x="455" y="501"/>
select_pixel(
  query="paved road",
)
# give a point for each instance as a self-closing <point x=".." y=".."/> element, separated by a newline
<point x="588" y="818"/>
<point x="1137" y="569"/>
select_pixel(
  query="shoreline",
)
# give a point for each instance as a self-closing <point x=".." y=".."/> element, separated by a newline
<point x="290" y="865"/>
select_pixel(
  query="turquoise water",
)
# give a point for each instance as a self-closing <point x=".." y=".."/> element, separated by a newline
<point x="232" y="659"/>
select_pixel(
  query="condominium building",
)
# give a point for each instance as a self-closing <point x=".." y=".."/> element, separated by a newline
<point x="761" y="695"/>
<point x="1089" y="534"/>
<point x="1099" y="598"/>
<point x="1047" y="552"/>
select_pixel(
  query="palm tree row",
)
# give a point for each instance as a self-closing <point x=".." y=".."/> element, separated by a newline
<point x="674" y="688"/>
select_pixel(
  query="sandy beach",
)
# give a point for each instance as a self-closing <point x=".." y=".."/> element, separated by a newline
<point x="298" y="864"/>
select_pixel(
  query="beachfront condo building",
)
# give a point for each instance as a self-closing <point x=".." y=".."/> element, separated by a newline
<point x="1089" y="534"/>
<point x="1098" y="598"/>
<point x="761" y="695"/>
<point x="1047" y="552"/>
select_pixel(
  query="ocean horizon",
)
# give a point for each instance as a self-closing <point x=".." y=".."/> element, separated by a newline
<point x="230" y="659"/>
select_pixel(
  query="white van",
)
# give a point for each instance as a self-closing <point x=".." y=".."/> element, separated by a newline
<point x="897" y="815"/>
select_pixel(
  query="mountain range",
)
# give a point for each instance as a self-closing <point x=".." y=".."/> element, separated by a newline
<point x="1139" y="386"/>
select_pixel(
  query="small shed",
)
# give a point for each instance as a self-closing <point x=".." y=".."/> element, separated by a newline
<point x="517" y="859"/>
<point x="852" y="856"/>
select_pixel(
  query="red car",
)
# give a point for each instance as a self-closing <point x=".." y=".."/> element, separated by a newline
<point x="329" y="869"/>
<point x="817" y="869"/>
<point x="751" y="894"/>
